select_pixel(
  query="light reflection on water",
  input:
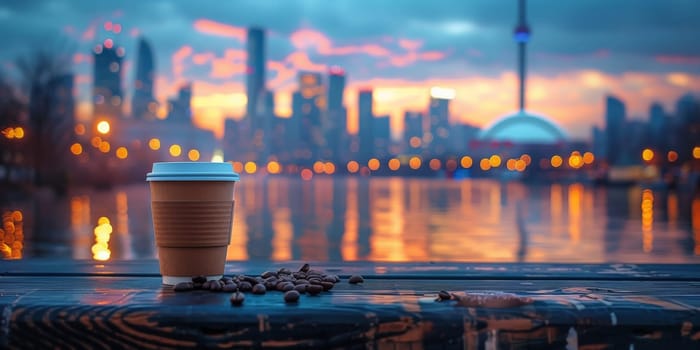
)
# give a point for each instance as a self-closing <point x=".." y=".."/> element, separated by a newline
<point x="385" y="219"/>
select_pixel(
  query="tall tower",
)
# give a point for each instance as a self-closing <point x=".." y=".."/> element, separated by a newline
<point x="522" y="36"/>
<point x="143" y="104"/>
<point x="255" y="73"/>
<point x="107" y="87"/>
<point x="365" y="133"/>
<point x="335" y="123"/>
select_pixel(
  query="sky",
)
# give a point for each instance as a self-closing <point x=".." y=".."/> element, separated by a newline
<point x="580" y="51"/>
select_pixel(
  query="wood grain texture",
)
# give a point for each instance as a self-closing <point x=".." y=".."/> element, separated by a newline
<point x="122" y="309"/>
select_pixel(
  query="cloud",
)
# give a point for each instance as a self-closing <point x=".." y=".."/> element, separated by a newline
<point x="210" y="27"/>
<point x="677" y="59"/>
<point x="305" y="39"/>
<point x="178" y="59"/>
<point x="233" y="63"/>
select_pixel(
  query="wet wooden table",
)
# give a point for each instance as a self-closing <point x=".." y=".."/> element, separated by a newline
<point x="83" y="304"/>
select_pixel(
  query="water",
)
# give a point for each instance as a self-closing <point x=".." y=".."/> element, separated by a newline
<point x="381" y="219"/>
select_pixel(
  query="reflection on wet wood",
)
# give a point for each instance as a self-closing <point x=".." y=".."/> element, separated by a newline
<point x="108" y="310"/>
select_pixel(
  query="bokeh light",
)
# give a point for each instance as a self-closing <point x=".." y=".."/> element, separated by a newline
<point x="495" y="161"/>
<point x="103" y="127"/>
<point x="466" y="162"/>
<point x="647" y="155"/>
<point x="556" y="161"/>
<point x="250" y="167"/>
<point x="353" y="166"/>
<point x="76" y="149"/>
<point x="175" y="150"/>
<point x="122" y="153"/>
<point x="273" y="167"/>
<point x="154" y="144"/>
<point x="415" y="163"/>
<point x="373" y="164"/>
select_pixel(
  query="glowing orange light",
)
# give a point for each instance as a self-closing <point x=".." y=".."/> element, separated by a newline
<point x="353" y="166"/>
<point x="19" y="133"/>
<point x="273" y="167"/>
<point x="175" y="150"/>
<point x="373" y="164"/>
<point x="510" y="164"/>
<point x="95" y="141"/>
<point x="250" y="167"/>
<point x="495" y="161"/>
<point x="104" y="147"/>
<point x="696" y="152"/>
<point x="76" y="149"/>
<point x="193" y="155"/>
<point x="154" y="144"/>
<point x="307" y="174"/>
<point x="394" y="164"/>
<point x="122" y="153"/>
<point x="435" y="164"/>
<point x="588" y="158"/>
<point x="672" y="156"/>
<point x="485" y="164"/>
<point x="575" y="161"/>
<point x="520" y="165"/>
<point x="318" y="167"/>
<point x="238" y="167"/>
<point x="556" y="161"/>
<point x="526" y="158"/>
<point x="415" y="162"/>
<point x="466" y="162"/>
<point x="79" y="129"/>
<point x="329" y="168"/>
<point x="415" y="141"/>
<point x="647" y="155"/>
<point x="103" y="127"/>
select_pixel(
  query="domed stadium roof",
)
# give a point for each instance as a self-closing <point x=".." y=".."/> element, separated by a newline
<point x="524" y="128"/>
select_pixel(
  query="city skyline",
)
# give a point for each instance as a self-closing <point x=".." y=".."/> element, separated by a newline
<point x="400" y="66"/>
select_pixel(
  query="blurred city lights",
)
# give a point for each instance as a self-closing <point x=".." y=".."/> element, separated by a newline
<point x="415" y="141"/>
<point x="696" y="152"/>
<point x="193" y="155"/>
<point x="104" y="147"/>
<point x="154" y="144"/>
<point x="103" y="127"/>
<point x="495" y="161"/>
<point x="218" y="157"/>
<point x="307" y="174"/>
<point x="588" y="158"/>
<point x="526" y="158"/>
<point x="175" y="150"/>
<point x="672" y="156"/>
<point x="103" y="231"/>
<point x="122" y="153"/>
<point x="273" y="167"/>
<point x="373" y="164"/>
<point x="76" y="149"/>
<point x="250" y="167"/>
<point x="394" y="164"/>
<point x="329" y="168"/>
<point x="435" y="164"/>
<point x="647" y="155"/>
<point x="318" y="167"/>
<point x="238" y="167"/>
<point x="353" y="166"/>
<point x="451" y="165"/>
<point x="575" y="160"/>
<point x="510" y="164"/>
<point x="520" y="165"/>
<point x="466" y="162"/>
<point x="415" y="162"/>
<point x="19" y="133"/>
<point x="485" y="164"/>
<point x="556" y="161"/>
<point x="95" y="141"/>
<point x="79" y="129"/>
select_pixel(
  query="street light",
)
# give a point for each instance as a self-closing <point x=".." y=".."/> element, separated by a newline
<point x="103" y="127"/>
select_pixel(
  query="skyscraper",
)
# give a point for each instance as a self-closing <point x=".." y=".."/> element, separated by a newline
<point x="413" y="132"/>
<point x="143" y="105"/>
<point x="615" y="115"/>
<point x="521" y="35"/>
<point x="180" y="107"/>
<point x="381" y="132"/>
<point x="438" y="116"/>
<point x="365" y="132"/>
<point x="255" y="73"/>
<point x="107" y="87"/>
<point x="658" y="127"/>
<point x="335" y="123"/>
<point x="311" y="138"/>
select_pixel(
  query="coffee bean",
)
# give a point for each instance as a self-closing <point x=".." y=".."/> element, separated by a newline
<point x="291" y="296"/>
<point x="230" y="287"/>
<point x="259" y="289"/>
<point x="271" y="285"/>
<point x="301" y="288"/>
<point x="206" y="284"/>
<point x="237" y="298"/>
<point x="287" y="286"/>
<point x="314" y="272"/>
<point x="199" y="279"/>
<point x="268" y="274"/>
<point x="443" y="295"/>
<point x="327" y="285"/>
<point x="227" y="280"/>
<point x="285" y="271"/>
<point x="330" y="279"/>
<point x="314" y="289"/>
<point x="314" y="280"/>
<point x="305" y="268"/>
<point x="216" y="286"/>
<point x="301" y="281"/>
<point x="183" y="286"/>
<point x="355" y="279"/>
<point x="337" y="278"/>
<point x="245" y="286"/>
<point x="197" y="285"/>
<point x="299" y="275"/>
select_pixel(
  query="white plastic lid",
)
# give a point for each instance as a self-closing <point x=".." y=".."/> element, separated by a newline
<point x="192" y="171"/>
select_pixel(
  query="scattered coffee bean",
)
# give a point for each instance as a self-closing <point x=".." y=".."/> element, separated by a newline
<point x="301" y="288"/>
<point x="259" y="289"/>
<point x="271" y="285"/>
<point x="245" y="286"/>
<point x="215" y="286"/>
<point x="291" y="296"/>
<point x="199" y="279"/>
<point x="268" y="274"/>
<point x="230" y="287"/>
<point x="287" y="286"/>
<point x="237" y="298"/>
<point x="443" y="295"/>
<point x="305" y="268"/>
<point x="285" y="271"/>
<point x="327" y="285"/>
<point x="355" y="279"/>
<point x="315" y="280"/>
<point x="227" y="280"/>
<point x="314" y="289"/>
<point x="301" y="281"/>
<point x="183" y="286"/>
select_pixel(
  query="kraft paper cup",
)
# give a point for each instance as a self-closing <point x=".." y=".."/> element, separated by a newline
<point x="192" y="208"/>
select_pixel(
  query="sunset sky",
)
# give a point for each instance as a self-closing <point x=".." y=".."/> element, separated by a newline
<point x="642" y="51"/>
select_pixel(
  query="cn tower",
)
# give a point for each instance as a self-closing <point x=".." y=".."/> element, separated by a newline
<point x="521" y="35"/>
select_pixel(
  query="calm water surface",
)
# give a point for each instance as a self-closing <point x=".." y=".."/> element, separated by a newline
<point x="380" y="219"/>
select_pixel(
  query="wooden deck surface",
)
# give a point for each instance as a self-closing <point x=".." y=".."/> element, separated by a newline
<point x="83" y="304"/>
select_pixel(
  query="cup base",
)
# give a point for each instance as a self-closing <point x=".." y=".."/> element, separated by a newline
<point x="173" y="280"/>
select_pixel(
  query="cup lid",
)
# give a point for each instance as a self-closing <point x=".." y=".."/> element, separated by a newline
<point x="192" y="171"/>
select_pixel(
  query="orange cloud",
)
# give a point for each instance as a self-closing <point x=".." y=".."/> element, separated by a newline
<point x="307" y="38"/>
<point x="300" y="61"/>
<point x="89" y="33"/>
<point x="79" y="58"/>
<point x="283" y="75"/>
<point x="203" y="58"/>
<point x="178" y="59"/>
<point x="210" y="27"/>
<point x="410" y="45"/>
<point x="233" y="63"/>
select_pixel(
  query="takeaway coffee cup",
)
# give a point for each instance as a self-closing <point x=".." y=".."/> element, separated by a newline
<point x="192" y="207"/>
